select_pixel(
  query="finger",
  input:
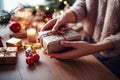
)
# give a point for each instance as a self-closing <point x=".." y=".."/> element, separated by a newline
<point x="68" y="44"/>
<point x="56" y="26"/>
<point x="65" y="55"/>
<point x="49" y="24"/>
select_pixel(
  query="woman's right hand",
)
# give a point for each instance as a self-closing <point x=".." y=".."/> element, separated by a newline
<point x="54" y="24"/>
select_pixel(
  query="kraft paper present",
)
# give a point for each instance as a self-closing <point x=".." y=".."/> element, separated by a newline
<point x="51" y="43"/>
<point x="8" y="55"/>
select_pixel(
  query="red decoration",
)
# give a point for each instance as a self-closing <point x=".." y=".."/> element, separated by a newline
<point x="38" y="40"/>
<point x="61" y="32"/>
<point x="36" y="57"/>
<point x="15" y="27"/>
<point x="1" y="44"/>
<point x="49" y="16"/>
<point x="31" y="56"/>
<point x="30" y="60"/>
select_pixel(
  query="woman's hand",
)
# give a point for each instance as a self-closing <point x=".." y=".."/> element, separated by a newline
<point x="54" y="24"/>
<point x="81" y="48"/>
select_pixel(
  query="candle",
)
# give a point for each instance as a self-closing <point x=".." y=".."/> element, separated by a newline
<point x="31" y="35"/>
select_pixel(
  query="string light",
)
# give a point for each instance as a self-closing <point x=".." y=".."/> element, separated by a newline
<point x="60" y="0"/>
<point x="47" y="8"/>
<point x="65" y="2"/>
<point x="4" y="17"/>
<point x="61" y="11"/>
<point x="37" y="7"/>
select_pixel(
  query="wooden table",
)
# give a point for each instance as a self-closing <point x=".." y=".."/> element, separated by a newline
<point x="84" y="68"/>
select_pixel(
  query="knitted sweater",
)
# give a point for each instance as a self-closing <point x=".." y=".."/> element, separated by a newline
<point x="101" y="20"/>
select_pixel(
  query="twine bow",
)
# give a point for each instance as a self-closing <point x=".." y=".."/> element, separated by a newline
<point x="4" y="52"/>
<point x="59" y="32"/>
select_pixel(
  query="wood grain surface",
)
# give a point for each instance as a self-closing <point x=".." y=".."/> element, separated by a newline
<point x="84" y="68"/>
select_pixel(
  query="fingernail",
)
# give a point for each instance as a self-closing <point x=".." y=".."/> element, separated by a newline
<point x="53" y="29"/>
<point x="61" y="42"/>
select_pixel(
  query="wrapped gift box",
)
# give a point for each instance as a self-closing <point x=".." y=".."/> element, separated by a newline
<point x="1" y="56"/>
<point x="14" y="42"/>
<point x="21" y="34"/>
<point x="51" y="43"/>
<point x="8" y="55"/>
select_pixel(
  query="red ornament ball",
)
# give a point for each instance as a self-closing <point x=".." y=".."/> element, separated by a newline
<point x="49" y="16"/>
<point x="15" y="27"/>
<point x="30" y="60"/>
<point x="36" y="57"/>
<point x="38" y="40"/>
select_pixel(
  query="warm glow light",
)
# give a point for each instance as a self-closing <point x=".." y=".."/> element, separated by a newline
<point x="65" y="2"/>
<point x="37" y="7"/>
<point x="47" y="8"/>
<point x="40" y="25"/>
<point x="61" y="12"/>
<point x="34" y="24"/>
<point x="4" y="17"/>
<point x="60" y="0"/>
<point x="31" y="34"/>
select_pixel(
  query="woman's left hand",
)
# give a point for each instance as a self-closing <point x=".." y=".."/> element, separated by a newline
<point x="80" y="48"/>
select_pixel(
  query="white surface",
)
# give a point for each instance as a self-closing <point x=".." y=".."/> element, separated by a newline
<point x="11" y="4"/>
<point x="4" y="33"/>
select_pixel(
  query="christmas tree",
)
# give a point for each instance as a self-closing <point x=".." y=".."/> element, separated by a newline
<point x="58" y="4"/>
<point x="49" y="8"/>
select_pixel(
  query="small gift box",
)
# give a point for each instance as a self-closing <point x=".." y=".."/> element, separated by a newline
<point x="21" y="34"/>
<point x="50" y="40"/>
<point x="8" y="55"/>
<point x="2" y="50"/>
<point x="14" y="42"/>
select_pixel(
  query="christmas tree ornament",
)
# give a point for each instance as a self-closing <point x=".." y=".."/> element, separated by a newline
<point x="15" y="27"/>
<point x="49" y="16"/>
<point x="1" y="44"/>
<point x="36" y="57"/>
<point x="4" y="17"/>
<point x="30" y="60"/>
<point x="28" y="52"/>
<point x="31" y="56"/>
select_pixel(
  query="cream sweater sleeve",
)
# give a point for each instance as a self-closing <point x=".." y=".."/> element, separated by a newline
<point x="79" y="8"/>
<point x="116" y="42"/>
<point x="111" y="29"/>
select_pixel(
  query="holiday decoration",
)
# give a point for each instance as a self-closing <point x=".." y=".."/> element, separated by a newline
<point x="30" y="60"/>
<point x="50" y="40"/>
<point x="5" y="17"/>
<point x="23" y="16"/>
<point x="14" y="42"/>
<point x="8" y="55"/>
<point x="36" y="57"/>
<point x="1" y="44"/>
<point x="31" y="56"/>
<point x="15" y="27"/>
<point x="20" y="34"/>
<point x="32" y="45"/>
<point x="27" y="45"/>
<point x="31" y="35"/>
<point x="48" y="17"/>
<point x="28" y="52"/>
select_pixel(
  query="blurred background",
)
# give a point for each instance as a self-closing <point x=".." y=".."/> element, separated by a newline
<point x="31" y="13"/>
